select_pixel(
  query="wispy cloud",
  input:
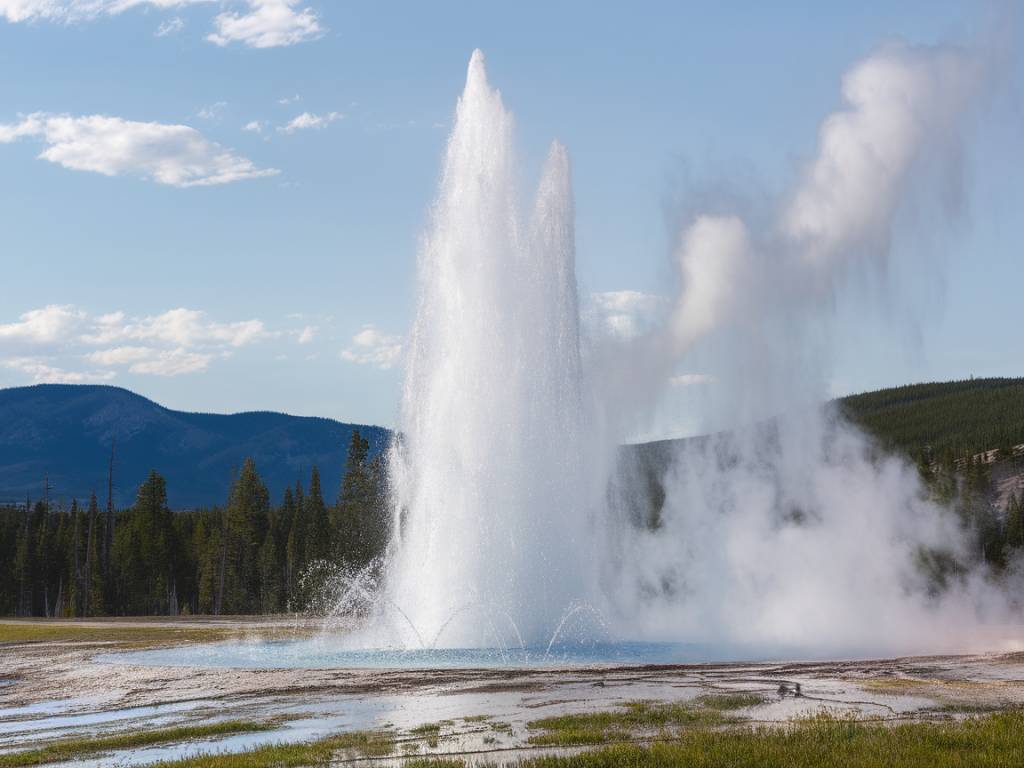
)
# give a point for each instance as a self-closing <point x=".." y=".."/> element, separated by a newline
<point x="182" y="327"/>
<point x="307" y="120"/>
<point x="170" y="27"/>
<point x="256" y="23"/>
<point x="371" y="346"/>
<point x="176" y="155"/>
<point x="172" y="343"/>
<point x="213" y="111"/>
<point x="41" y="372"/>
<point x="267" y="24"/>
<point x="70" y="11"/>
<point x="253" y="126"/>
<point x="307" y="334"/>
<point x="625" y="313"/>
<point x="173" y="362"/>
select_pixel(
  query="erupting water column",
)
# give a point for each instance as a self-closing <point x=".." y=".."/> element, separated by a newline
<point x="492" y="532"/>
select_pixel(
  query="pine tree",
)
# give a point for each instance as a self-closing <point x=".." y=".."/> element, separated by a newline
<point x="295" y="549"/>
<point x="270" y="582"/>
<point x="360" y="521"/>
<point x="144" y="551"/>
<point x="76" y="588"/>
<point x="319" y="544"/>
<point x="24" y="566"/>
<point x="93" y="573"/>
<point x="245" y="528"/>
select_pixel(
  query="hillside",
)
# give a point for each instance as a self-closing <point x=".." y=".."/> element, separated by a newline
<point x="67" y="430"/>
<point x="949" y="418"/>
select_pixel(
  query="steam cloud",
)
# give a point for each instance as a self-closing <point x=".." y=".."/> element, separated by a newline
<point x="791" y="536"/>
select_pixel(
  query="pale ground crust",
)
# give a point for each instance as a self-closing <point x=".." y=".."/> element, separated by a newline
<point x="53" y="688"/>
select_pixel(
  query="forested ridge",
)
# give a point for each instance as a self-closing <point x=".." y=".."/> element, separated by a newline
<point x="248" y="556"/>
<point x="256" y="554"/>
<point x="943" y="421"/>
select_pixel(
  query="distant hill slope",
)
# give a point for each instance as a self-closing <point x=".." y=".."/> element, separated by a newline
<point x="67" y="431"/>
<point x="956" y="417"/>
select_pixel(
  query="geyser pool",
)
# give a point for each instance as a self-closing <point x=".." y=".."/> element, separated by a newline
<point x="327" y="653"/>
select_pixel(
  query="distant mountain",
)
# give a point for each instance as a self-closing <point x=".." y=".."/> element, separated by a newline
<point x="66" y="431"/>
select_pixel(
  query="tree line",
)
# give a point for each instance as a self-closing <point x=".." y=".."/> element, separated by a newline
<point x="245" y="557"/>
<point x="943" y="422"/>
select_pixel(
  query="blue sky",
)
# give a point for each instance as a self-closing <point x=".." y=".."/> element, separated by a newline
<point x="263" y="257"/>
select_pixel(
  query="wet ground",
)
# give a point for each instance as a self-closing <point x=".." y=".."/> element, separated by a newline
<point x="53" y="689"/>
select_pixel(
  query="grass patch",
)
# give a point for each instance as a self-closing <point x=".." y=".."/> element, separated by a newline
<point x="620" y="725"/>
<point x="896" y="685"/>
<point x="971" y="709"/>
<point x="72" y="749"/>
<point x="429" y="731"/>
<point x="994" y="741"/>
<point x="477" y="718"/>
<point x="136" y="636"/>
<point x="725" y="702"/>
<point x="320" y="752"/>
<point x="133" y="633"/>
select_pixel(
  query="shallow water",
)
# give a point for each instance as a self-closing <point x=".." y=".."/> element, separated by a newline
<point x="329" y="654"/>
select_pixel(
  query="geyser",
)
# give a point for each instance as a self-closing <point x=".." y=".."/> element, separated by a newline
<point x="492" y="513"/>
<point x="514" y="528"/>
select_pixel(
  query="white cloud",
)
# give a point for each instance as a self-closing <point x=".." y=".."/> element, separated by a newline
<point x="44" y="373"/>
<point x="625" y="313"/>
<point x="373" y="347"/>
<point x="173" y="362"/>
<point x="289" y="100"/>
<point x="176" y="155"/>
<point x="48" y="325"/>
<point x="262" y="24"/>
<point x="70" y="11"/>
<point x="267" y="24"/>
<point x="121" y="355"/>
<point x="170" y="27"/>
<point x="213" y="111"/>
<point x="172" y="343"/>
<point x="181" y="327"/>
<point x="253" y="126"/>
<point x="309" y="120"/>
<point x="307" y="334"/>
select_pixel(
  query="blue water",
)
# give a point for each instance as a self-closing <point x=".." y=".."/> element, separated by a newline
<point x="328" y="654"/>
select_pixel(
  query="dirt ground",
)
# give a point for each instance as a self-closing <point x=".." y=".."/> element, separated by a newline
<point x="52" y="685"/>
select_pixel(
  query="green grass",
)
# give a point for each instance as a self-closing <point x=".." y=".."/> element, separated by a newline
<point x="994" y="741"/>
<point x="44" y="631"/>
<point x="725" y="702"/>
<point x="72" y="749"/>
<point x="321" y="752"/>
<point x="427" y="729"/>
<point x="132" y="633"/>
<point x="620" y="725"/>
<point x="430" y="731"/>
